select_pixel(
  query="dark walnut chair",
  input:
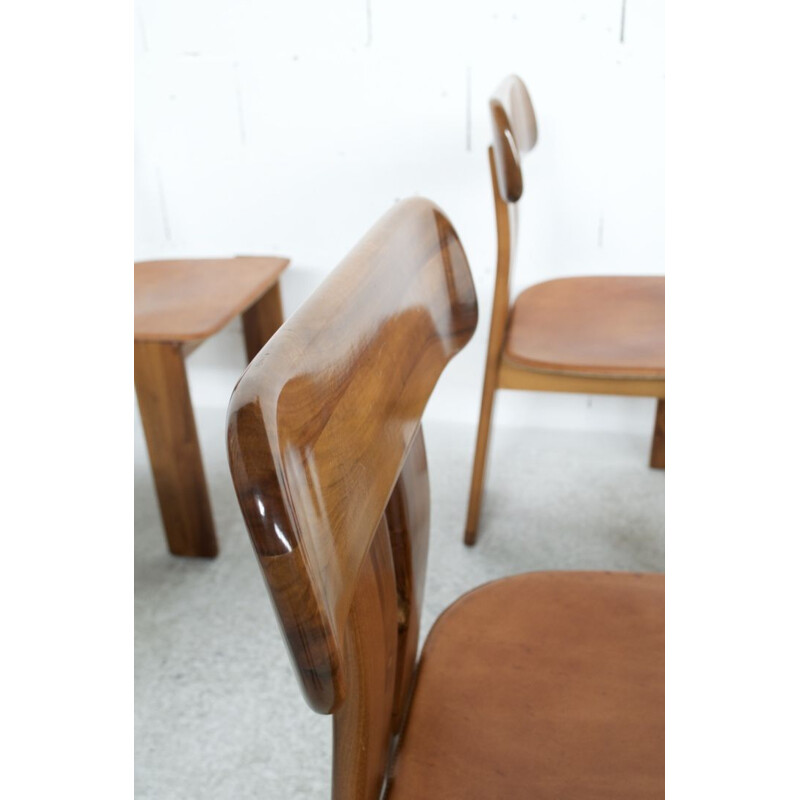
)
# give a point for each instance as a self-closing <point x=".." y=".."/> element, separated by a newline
<point x="177" y="306"/>
<point x="586" y="335"/>
<point x="541" y="685"/>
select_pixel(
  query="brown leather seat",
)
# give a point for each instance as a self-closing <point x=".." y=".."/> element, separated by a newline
<point x="597" y="326"/>
<point x="543" y="685"/>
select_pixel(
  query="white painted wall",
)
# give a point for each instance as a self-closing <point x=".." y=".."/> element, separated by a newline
<point x="288" y="128"/>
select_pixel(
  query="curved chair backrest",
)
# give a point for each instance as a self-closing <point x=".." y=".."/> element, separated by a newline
<point x="514" y="132"/>
<point x="327" y="458"/>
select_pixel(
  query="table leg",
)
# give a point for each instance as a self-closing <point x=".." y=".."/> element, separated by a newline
<point x="168" y="421"/>
<point x="657" y="452"/>
<point x="261" y="320"/>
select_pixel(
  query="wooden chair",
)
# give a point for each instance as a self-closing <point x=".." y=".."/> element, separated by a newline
<point x="590" y="335"/>
<point x="177" y="306"/>
<point x="542" y="685"/>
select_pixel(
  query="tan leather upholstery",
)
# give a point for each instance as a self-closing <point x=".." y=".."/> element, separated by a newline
<point x="599" y="326"/>
<point x="545" y="685"/>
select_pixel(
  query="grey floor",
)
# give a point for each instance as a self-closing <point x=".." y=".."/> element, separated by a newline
<point x="218" y="712"/>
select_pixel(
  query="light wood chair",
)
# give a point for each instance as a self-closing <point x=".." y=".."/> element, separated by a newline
<point x="542" y="685"/>
<point x="177" y="306"/>
<point x="588" y="335"/>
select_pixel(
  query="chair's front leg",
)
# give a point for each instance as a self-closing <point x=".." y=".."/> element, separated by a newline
<point x="481" y="448"/>
<point x="168" y="421"/>
<point x="657" y="451"/>
<point x="261" y="320"/>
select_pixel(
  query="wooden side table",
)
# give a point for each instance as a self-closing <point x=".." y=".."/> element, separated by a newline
<point x="177" y="306"/>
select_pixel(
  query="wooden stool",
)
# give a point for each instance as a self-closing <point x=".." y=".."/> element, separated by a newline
<point x="178" y="305"/>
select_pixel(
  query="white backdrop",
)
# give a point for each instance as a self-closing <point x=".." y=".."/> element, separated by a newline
<point x="288" y="128"/>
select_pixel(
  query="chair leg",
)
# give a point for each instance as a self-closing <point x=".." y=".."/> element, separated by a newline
<point x="168" y="421"/>
<point x="657" y="451"/>
<point x="261" y="320"/>
<point x="479" y="465"/>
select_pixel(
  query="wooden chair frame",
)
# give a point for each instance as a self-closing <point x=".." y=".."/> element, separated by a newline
<point x="514" y="131"/>
<point x="328" y="461"/>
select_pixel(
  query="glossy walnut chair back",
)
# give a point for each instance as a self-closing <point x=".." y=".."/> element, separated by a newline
<point x="514" y="131"/>
<point x="328" y="461"/>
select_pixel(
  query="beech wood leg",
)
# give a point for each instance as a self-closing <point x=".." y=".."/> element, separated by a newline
<point x="168" y="420"/>
<point x="657" y="451"/>
<point x="261" y="320"/>
<point x="479" y="464"/>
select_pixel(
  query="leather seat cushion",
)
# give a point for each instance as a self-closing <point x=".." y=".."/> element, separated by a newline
<point x="542" y="685"/>
<point x="599" y="326"/>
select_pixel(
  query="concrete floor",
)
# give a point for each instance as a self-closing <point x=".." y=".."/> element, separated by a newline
<point x="218" y="711"/>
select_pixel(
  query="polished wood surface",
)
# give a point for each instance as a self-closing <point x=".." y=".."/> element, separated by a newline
<point x="177" y="305"/>
<point x="542" y="685"/>
<point x="603" y="327"/>
<point x="261" y="320"/>
<point x="354" y="366"/>
<point x="328" y="462"/>
<point x="657" y="450"/>
<point x="594" y="335"/>
<point x="506" y="222"/>
<point x="168" y="421"/>
<point x="514" y="131"/>
<point x="193" y="299"/>
<point x="510" y="376"/>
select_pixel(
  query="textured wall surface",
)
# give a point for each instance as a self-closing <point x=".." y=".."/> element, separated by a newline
<point x="273" y="127"/>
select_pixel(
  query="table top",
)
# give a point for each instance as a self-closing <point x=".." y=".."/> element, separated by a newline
<point x="192" y="299"/>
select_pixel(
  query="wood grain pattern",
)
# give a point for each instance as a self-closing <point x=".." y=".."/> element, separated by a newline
<point x="191" y="299"/>
<point x="329" y="411"/>
<point x="545" y="684"/>
<point x="261" y="320"/>
<point x="177" y="305"/>
<point x="408" y="520"/>
<point x="511" y="376"/>
<point x="659" y="442"/>
<point x="514" y="131"/>
<point x="506" y="222"/>
<point x="598" y="335"/>
<point x="168" y="421"/>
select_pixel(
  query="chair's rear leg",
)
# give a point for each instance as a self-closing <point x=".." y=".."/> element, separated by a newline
<point x="657" y="451"/>
<point x="261" y="320"/>
<point x="481" y="447"/>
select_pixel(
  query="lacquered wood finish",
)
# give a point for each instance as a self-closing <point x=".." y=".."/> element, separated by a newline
<point x="514" y="131"/>
<point x="659" y="444"/>
<point x="190" y="299"/>
<point x="511" y="376"/>
<point x="408" y="520"/>
<point x="178" y="304"/>
<point x="328" y="463"/>
<point x="168" y="421"/>
<point x="506" y="221"/>
<point x="261" y="320"/>
<point x="586" y="335"/>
